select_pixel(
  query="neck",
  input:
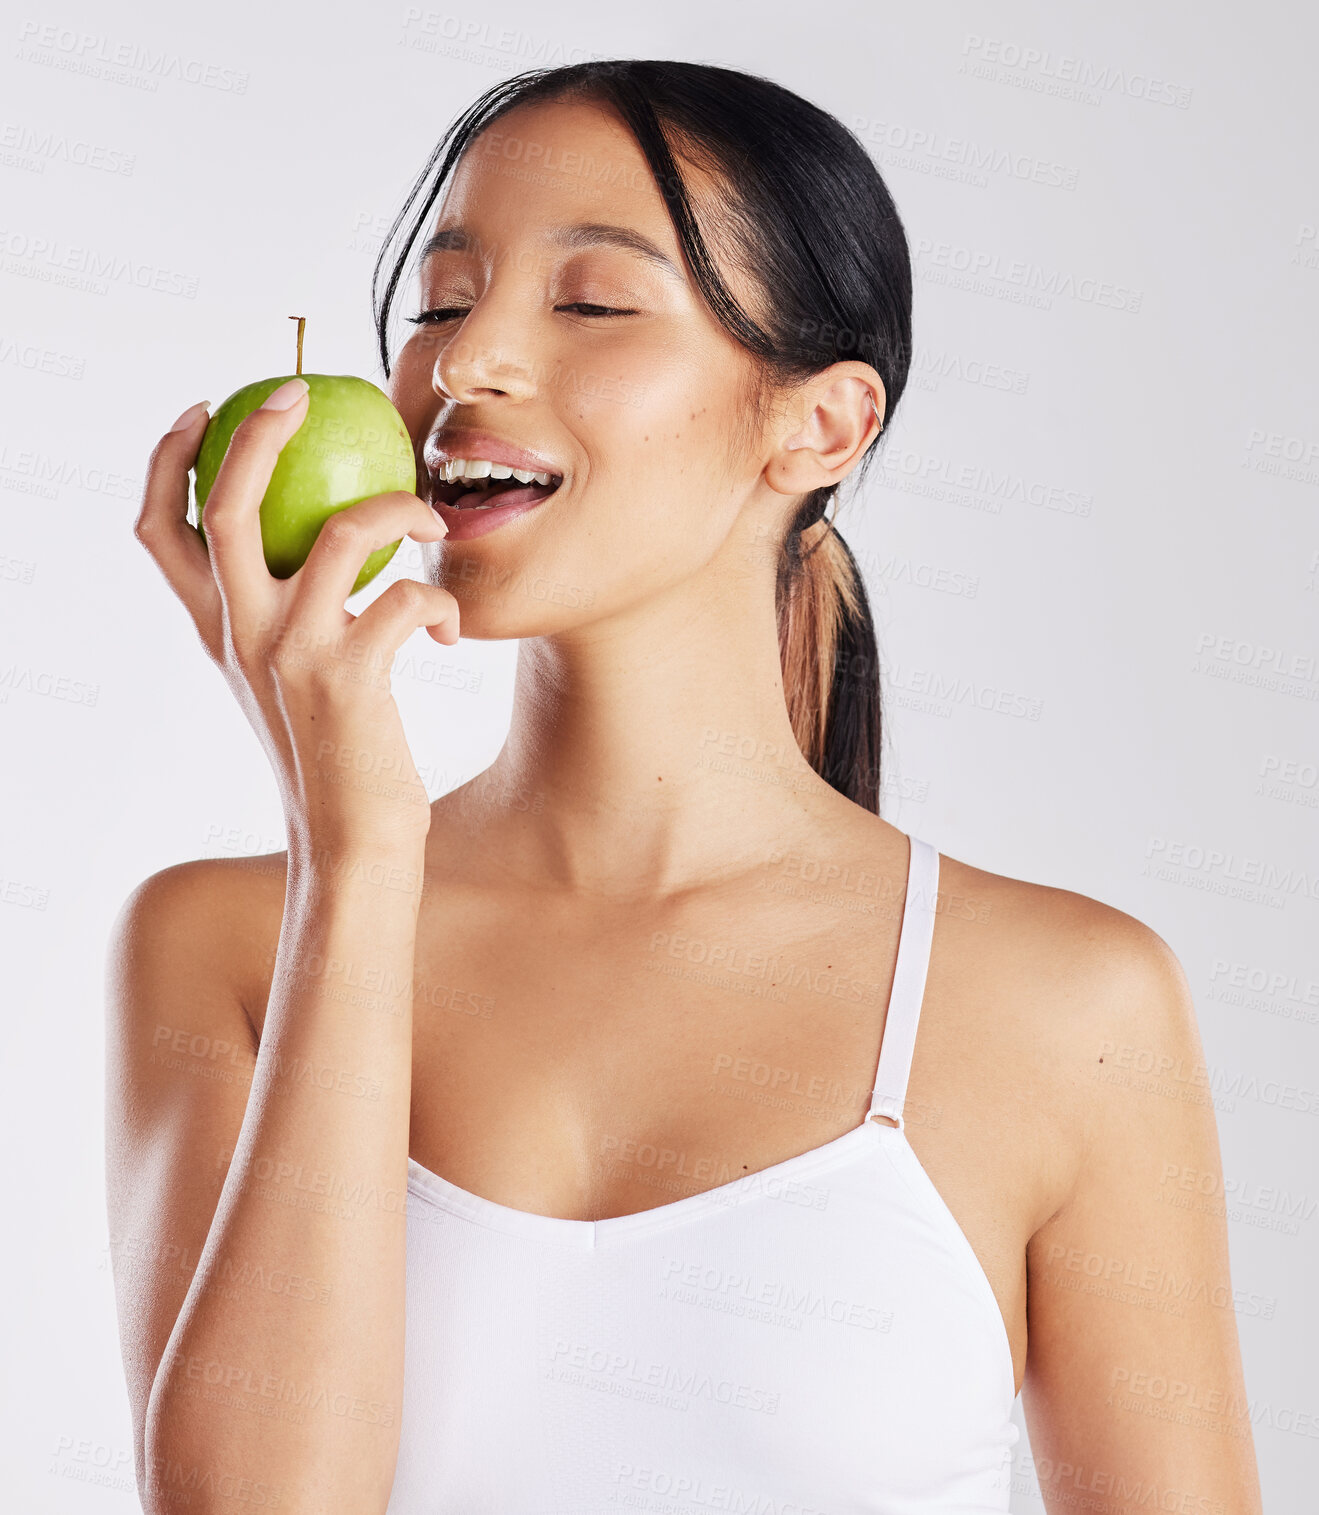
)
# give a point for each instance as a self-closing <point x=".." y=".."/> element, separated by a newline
<point x="651" y="750"/>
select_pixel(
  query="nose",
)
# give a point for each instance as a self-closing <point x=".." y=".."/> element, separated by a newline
<point x="481" y="362"/>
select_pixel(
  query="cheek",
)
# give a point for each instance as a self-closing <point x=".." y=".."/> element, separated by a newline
<point x="410" y="393"/>
<point x="409" y="386"/>
<point x="665" y="462"/>
<point x="638" y="488"/>
<point x="649" y="514"/>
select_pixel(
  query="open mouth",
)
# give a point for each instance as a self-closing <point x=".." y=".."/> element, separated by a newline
<point x="492" y="494"/>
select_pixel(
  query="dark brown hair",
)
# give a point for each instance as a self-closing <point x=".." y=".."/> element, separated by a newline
<point x="816" y="228"/>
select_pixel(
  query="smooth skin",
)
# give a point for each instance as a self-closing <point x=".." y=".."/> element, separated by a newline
<point x="489" y="982"/>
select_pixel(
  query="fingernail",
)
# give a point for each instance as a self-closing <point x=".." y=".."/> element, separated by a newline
<point x="287" y="395"/>
<point x="189" y="416"/>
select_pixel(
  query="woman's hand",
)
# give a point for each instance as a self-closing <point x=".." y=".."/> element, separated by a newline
<point x="313" y="679"/>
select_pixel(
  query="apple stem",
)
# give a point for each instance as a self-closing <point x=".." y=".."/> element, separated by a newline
<point x="302" y="321"/>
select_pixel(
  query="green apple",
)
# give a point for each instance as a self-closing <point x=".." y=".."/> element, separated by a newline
<point x="352" y="444"/>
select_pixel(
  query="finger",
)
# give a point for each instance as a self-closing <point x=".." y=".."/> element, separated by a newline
<point x="390" y="619"/>
<point x="344" y="543"/>
<point x="162" y="524"/>
<point x="232" y="514"/>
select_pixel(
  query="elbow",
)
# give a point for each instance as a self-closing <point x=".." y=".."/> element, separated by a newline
<point x="163" y="1468"/>
<point x="186" y="1462"/>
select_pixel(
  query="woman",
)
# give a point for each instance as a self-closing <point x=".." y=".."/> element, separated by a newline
<point x="694" y="1219"/>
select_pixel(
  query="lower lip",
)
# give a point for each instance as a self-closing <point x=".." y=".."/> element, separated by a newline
<point x="465" y="524"/>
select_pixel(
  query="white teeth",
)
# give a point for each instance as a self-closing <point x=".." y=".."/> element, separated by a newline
<point x="454" y="469"/>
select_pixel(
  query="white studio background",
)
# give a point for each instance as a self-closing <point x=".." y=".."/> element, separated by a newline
<point x="1093" y="553"/>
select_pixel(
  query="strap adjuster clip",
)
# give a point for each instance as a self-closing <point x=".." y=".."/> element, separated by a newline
<point x="885" y="1104"/>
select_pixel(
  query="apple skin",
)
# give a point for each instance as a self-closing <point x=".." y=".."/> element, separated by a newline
<point x="352" y="444"/>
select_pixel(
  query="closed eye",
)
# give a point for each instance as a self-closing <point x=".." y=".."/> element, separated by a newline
<point x="428" y="317"/>
<point x="595" y="310"/>
<point x="583" y="307"/>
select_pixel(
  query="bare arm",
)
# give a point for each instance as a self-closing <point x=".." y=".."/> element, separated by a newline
<point x="260" y="1219"/>
<point x="256" y="1195"/>
<point x="1134" y="1389"/>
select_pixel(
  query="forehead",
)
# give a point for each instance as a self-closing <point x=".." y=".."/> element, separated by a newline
<point x="558" y="176"/>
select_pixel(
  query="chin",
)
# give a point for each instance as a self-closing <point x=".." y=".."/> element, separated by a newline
<point x="502" y="600"/>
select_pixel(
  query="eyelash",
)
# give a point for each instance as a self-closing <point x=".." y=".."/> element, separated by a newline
<point x="434" y="317"/>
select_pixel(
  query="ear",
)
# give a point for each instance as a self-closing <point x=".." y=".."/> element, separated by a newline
<point x="833" y="418"/>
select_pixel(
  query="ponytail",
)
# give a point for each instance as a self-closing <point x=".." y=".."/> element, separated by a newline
<point x="830" y="661"/>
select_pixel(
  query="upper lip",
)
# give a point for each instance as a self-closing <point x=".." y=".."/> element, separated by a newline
<point x="444" y="447"/>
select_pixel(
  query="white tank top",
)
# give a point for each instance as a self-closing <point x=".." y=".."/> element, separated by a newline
<point x="817" y="1338"/>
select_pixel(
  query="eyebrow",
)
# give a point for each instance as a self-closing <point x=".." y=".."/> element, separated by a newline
<point x="580" y="234"/>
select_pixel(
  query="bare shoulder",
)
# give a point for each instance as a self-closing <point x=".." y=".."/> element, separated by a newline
<point x="212" y="923"/>
<point x="1077" y="965"/>
<point x="1067" y="997"/>
<point x="1047" y="927"/>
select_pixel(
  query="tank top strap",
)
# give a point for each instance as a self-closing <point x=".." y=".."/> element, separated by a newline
<point x="915" y="936"/>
